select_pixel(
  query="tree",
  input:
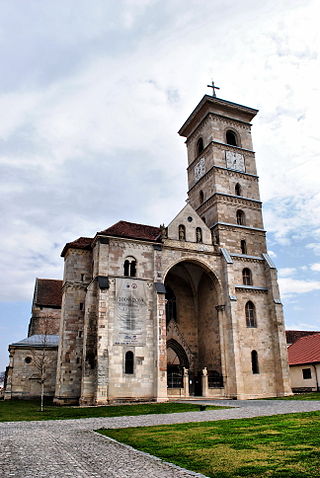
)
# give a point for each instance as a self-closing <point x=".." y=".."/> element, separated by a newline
<point x="41" y="361"/>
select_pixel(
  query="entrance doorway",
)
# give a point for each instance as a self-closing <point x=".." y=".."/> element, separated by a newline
<point x="193" y="339"/>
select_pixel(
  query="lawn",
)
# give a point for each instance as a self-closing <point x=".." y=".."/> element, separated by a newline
<point x="271" y="447"/>
<point x="26" y="410"/>
<point x="299" y="396"/>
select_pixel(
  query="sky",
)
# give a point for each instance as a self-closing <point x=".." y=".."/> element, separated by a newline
<point x="92" y="95"/>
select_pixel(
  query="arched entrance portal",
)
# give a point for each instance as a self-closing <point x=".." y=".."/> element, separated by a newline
<point x="177" y="360"/>
<point x="193" y="339"/>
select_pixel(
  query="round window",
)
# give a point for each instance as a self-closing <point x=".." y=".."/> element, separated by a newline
<point x="28" y="360"/>
<point x="190" y="219"/>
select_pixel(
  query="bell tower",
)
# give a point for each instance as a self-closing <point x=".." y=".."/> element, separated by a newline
<point x="222" y="176"/>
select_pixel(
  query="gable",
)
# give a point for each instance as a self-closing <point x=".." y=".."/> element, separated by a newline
<point x="188" y="218"/>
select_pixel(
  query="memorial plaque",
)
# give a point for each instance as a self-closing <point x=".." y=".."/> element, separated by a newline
<point x="130" y="312"/>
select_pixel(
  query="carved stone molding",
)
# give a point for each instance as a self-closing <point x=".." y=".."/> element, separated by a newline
<point x="74" y="285"/>
<point x="253" y="290"/>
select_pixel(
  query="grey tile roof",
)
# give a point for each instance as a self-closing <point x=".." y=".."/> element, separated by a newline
<point x="39" y="340"/>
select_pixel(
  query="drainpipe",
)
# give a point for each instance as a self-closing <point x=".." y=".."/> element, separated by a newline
<point x="315" y="370"/>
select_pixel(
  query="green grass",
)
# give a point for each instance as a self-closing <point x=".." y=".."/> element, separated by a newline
<point x="26" y="410"/>
<point x="286" y="446"/>
<point x="299" y="396"/>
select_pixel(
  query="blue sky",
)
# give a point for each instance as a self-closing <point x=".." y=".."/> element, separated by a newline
<point x="91" y="97"/>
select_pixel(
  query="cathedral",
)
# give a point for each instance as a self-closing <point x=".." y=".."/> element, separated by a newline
<point x="191" y="308"/>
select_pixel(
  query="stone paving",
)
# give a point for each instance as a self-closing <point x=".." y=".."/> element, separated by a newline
<point x="70" y="448"/>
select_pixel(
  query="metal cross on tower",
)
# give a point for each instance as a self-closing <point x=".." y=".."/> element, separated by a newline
<point x="213" y="88"/>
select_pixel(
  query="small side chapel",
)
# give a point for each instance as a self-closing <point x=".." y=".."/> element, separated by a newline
<point x="187" y="309"/>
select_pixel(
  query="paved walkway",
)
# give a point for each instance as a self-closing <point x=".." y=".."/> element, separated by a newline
<point x="70" y="448"/>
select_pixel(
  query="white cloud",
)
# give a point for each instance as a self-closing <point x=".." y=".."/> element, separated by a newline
<point x="315" y="267"/>
<point x="289" y="286"/>
<point x="315" y="247"/>
<point x="286" y="271"/>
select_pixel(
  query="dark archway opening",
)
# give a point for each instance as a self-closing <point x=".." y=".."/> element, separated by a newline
<point x="193" y="338"/>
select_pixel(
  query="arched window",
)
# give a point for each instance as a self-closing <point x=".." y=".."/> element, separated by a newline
<point x="198" y="234"/>
<point x="247" y="276"/>
<point x="243" y="245"/>
<point x="129" y="362"/>
<point x="254" y="361"/>
<point x="171" y="305"/>
<point x="200" y="146"/>
<point x="250" y="314"/>
<point x="201" y="197"/>
<point x="237" y="189"/>
<point x="130" y="267"/>
<point x="231" y="138"/>
<point x="241" y="218"/>
<point x="182" y="233"/>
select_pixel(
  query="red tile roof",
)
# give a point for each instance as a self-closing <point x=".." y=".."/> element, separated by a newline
<point x="294" y="335"/>
<point x="305" y="350"/>
<point x="48" y="293"/>
<point x="133" y="230"/>
<point x="80" y="243"/>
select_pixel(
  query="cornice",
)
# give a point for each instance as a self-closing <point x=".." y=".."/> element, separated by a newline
<point x="246" y="258"/>
<point x="224" y="147"/>
<point x="229" y="198"/>
<point x="223" y="119"/>
<point x="251" y="288"/>
<point x="237" y="226"/>
<point x="219" y="170"/>
<point x="75" y="285"/>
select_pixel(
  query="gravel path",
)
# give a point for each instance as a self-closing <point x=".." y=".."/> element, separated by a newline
<point x="70" y="448"/>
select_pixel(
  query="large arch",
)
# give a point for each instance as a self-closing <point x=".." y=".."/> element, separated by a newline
<point x="193" y="334"/>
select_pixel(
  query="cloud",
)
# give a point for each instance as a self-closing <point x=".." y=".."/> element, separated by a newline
<point x="289" y="286"/>
<point x="315" y="247"/>
<point x="91" y="99"/>
<point x="286" y="271"/>
<point x="315" y="267"/>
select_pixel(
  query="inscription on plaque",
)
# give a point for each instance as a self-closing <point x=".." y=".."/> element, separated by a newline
<point x="130" y="312"/>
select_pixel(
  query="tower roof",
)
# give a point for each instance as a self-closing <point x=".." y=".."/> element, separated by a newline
<point x="211" y="104"/>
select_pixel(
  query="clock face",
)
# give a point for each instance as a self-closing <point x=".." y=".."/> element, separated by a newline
<point x="199" y="169"/>
<point x="235" y="161"/>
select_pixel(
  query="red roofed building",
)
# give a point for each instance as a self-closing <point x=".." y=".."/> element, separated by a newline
<point x="304" y="363"/>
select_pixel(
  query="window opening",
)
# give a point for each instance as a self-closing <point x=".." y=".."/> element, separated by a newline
<point x="182" y="233"/>
<point x="200" y="146"/>
<point x="237" y="189"/>
<point x="306" y="373"/>
<point x="129" y="360"/>
<point x="231" y="138"/>
<point x="241" y="219"/>
<point x="130" y="267"/>
<point x="247" y="276"/>
<point x="171" y="305"/>
<point x="243" y="245"/>
<point x="254" y="361"/>
<point x="250" y="314"/>
<point x="198" y="234"/>
<point x="201" y="197"/>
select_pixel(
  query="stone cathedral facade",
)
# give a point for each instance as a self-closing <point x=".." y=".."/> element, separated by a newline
<point x="187" y="309"/>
